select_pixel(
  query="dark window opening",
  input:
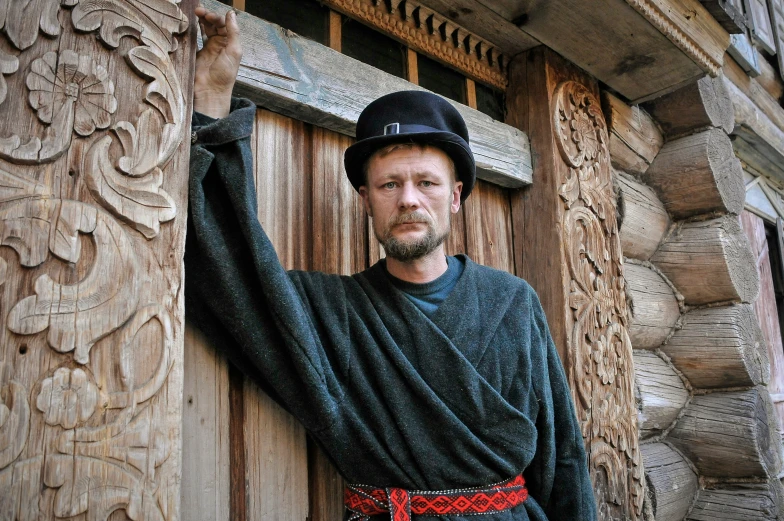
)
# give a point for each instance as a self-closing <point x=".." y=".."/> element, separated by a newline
<point x="776" y="268"/>
<point x="369" y="46"/>
<point x="441" y="79"/>
<point x="307" y="18"/>
<point x="490" y="101"/>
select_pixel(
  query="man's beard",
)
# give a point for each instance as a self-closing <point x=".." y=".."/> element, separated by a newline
<point x="406" y="251"/>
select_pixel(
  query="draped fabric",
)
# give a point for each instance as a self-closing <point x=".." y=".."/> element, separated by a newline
<point x="472" y="396"/>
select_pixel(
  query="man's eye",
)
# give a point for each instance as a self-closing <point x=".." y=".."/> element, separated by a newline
<point x="427" y="183"/>
<point x="390" y="185"/>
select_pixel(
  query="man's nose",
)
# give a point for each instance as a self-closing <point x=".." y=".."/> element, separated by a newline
<point x="409" y="196"/>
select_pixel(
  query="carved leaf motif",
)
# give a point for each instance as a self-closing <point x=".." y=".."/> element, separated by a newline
<point x="22" y="19"/>
<point x="97" y="487"/>
<point x="78" y="315"/>
<point x="14" y="425"/>
<point x="9" y="64"/>
<point x="153" y="22"/>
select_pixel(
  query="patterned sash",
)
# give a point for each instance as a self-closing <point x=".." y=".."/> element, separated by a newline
<point x="363" y="501"/>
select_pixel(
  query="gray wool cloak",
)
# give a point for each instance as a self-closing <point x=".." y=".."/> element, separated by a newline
<point x="472" y="397"/>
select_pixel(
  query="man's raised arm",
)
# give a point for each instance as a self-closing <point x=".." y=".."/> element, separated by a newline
<point x="217" y="63"/>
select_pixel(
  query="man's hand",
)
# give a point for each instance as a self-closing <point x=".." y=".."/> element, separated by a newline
<point x="217" y="63"/>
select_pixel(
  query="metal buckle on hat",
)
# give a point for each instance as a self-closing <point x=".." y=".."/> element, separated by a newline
<point x="392" y="128"/>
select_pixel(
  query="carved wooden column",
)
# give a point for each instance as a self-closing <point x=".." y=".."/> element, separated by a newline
<point x="567" y="246"/>
<point x="94" y="112"/>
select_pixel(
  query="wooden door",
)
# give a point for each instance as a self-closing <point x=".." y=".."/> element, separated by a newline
<point x="95" y="109"/>
<point x="258" y="463"/>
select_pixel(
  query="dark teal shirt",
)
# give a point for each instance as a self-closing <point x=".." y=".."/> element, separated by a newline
<point x="428" y="296"/>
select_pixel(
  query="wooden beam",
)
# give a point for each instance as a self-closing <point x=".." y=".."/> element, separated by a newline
<point x="335" y="31"/>
<point x="730" y="435"/>
<point x="661" y="393"/>
<point x="412" y="66"/>
<point x="671" y="482"/>
<point x="720" y="347"/>
<point x="634" y="137"/>
<point x="709" y="261"/>
<point x="311" y="82"/>
<point x="653" y="307"/>
<point x="470" y="88"/>
<point x="238" y="4"/>
<point x="729" y="13"/>
<point x="739" y="502"/>
<point x="643" y="220"/>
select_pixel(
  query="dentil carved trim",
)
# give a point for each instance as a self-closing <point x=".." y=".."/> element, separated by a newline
<point x="599" y="349"/>
<point x="428" y="32"/>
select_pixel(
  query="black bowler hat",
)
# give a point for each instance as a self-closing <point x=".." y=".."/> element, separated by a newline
<point x="411" y="116"/>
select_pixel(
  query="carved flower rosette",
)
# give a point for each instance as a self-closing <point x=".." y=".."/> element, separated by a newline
<point x="88" y="400"/>
<point x="600" y="354"/>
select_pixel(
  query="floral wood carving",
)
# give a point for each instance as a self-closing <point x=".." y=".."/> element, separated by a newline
<point x="600" y="353"/>
<point x="94" y="294"/>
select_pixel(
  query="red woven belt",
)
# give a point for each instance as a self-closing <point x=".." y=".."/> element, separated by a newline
<point x="363" y="501"/>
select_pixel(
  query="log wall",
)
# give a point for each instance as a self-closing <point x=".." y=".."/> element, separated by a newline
<point x="706" y="416"/>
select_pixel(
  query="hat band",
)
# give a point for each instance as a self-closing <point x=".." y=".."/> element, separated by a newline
<point x="397" y="128"/>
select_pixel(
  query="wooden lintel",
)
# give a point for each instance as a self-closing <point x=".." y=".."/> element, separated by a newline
<point x="303" y="79"/>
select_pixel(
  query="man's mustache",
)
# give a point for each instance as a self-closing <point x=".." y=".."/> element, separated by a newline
<point x="409" y="218"/>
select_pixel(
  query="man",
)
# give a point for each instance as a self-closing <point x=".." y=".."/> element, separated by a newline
<point x="430" y="380"/>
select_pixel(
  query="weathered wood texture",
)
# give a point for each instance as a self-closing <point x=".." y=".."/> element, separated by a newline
<point x="643" y="220"/>
<point x="765" y="307"/>
<point x="704" y="103"/>
<point x="653" y="307"/>
<point x="770" y="80"/>
<point x="205" y="431"/>
<point x="572" y="257"/>
<point x="93" y="220"/>
<point x="729" y="13"/>
<point x="648" y="47"/>
<point x="634" y="137"/>
<point x="759" y="122"/>
<point x="660" y="392"/>
<point x="739" y="502"/>
<point x="709" y="261"/>
<point x="671" y="482"/>
<point x="308" y="81"/>
<point x="698" y="174"/>
<point x="488" y="227"/>
<point x="730" y="434"/>
<point x="720" y="347"/>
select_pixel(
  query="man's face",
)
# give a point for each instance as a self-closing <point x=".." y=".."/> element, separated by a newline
<point x="411" y="194"/>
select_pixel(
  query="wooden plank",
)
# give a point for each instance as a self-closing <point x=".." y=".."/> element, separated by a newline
<point x="308" y="81"/>
<point x="661" y="393"/>
<point x="276" y="460"/>
<point x="671" y="481"/>
<point x="275" y="450"/>
<point x="654" y="309"/>
<point x="470" y="88"/>
<point x="643" y="218"/>
<point x="765" y="306"/>
<point x="777" y="20"/>
<point x="205" y="421"/>
<point x="729" y="13"/>
<point x="488" y="227"/>
<point x="739" y="502"/>
<point x="744" y="53"/>
<point x="91" y="343"/>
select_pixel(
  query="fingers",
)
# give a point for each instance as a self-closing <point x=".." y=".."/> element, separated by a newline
<point x="233" y="33"/>
<point x="211" y="23"/>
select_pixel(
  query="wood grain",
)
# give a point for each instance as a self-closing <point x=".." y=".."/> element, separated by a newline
<point x="730" y="434"/>
<point x="698" y="174"/>
<point x="317" y="85"/>
<point x="720" y="347"/>
<point x="634" y="137"/>
<point x="653" y="308"/>
<point x="704" y="103"/>
<point x="643" y="218"/>
<point x="671" y="482"/>
<point x="709" y="261"/>
<point x="739" y="502"/>
<point x="488" y="227"/>
<point x="661" y="394"/>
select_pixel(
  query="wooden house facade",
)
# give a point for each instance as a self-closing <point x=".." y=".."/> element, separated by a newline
<point x="630" y="158"/>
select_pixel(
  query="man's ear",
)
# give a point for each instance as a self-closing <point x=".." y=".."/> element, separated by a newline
<point x="456" y="191"/>
<point x="363" y="193"/>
